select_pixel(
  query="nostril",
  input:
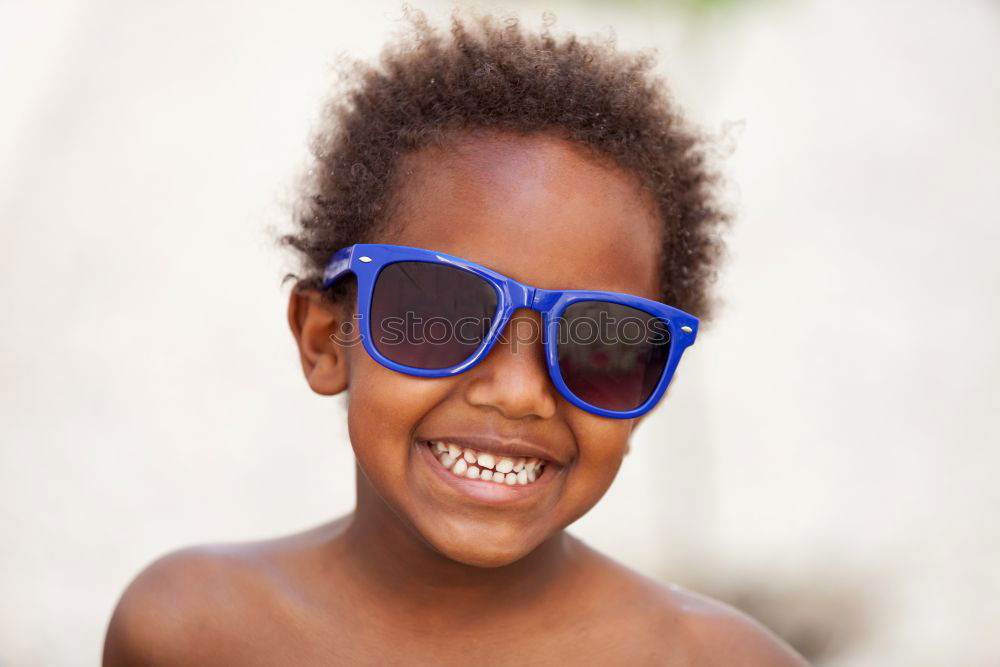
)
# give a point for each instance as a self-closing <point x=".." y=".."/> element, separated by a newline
<point x="515" y="384"/>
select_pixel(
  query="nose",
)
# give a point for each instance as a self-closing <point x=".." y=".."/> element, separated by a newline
<point x="513" y="378"/>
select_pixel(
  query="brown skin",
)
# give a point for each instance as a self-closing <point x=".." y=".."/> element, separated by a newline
<point x="418" y="574"/>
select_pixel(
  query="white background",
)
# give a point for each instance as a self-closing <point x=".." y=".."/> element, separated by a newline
<point x="830" y="447"/>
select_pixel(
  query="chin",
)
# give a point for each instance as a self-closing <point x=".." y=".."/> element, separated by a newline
<point x="476" y="556"/>
<point x="479" y="548"/>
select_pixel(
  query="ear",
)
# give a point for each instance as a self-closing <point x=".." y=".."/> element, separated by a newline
<point x="314" y="323"/>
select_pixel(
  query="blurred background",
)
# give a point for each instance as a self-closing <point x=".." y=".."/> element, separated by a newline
<point x="827" y="460"/>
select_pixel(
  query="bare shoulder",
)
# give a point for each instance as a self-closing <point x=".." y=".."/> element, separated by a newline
<point x="167" y="612"/>
<point x="679" y="627"/>
<point x="201" y="604"/>
<point x="720" y="634"/>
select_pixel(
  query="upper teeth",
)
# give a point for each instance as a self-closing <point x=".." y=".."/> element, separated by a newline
<point x="467" y="462"/>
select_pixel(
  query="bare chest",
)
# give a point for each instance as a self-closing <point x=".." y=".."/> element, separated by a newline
<point x="365" y="639"/>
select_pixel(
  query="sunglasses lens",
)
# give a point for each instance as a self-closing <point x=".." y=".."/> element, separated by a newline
<point x="610" y="355"/>
<point x="430" y="316"/>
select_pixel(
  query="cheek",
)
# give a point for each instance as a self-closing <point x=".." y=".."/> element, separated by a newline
<point x="602" y="445"/>
<point x="383" y="408"/>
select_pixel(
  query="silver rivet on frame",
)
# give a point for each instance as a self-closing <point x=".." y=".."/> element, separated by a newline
<point x="686" y="329"/>
<point x="365" y="258"/>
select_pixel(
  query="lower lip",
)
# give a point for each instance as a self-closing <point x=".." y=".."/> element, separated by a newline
<point x="485" y="491"/>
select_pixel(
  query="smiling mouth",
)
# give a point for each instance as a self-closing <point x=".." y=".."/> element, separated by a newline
<point x="468" y="463"/>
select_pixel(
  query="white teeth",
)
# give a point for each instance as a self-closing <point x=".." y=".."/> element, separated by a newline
<point x="472" y="464"/>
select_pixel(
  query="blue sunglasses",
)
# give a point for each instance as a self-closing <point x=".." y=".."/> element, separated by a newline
<point x="437" y="315"/>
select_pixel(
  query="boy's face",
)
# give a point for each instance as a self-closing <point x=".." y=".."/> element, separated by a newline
<point x="542" y="212"/>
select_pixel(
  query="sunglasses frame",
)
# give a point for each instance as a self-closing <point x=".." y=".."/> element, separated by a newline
<point x="366" y="261"/>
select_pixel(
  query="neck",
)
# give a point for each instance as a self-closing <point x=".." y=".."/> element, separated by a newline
<point x="390" y="558"/>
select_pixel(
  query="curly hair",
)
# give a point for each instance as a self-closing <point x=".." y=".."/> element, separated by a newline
<point x="490" y="74"/>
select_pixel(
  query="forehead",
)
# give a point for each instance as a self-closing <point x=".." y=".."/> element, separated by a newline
<point x="538" y="209"/>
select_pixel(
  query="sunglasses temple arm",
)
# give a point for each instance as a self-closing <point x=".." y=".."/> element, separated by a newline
<point x="338" y="266"/>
